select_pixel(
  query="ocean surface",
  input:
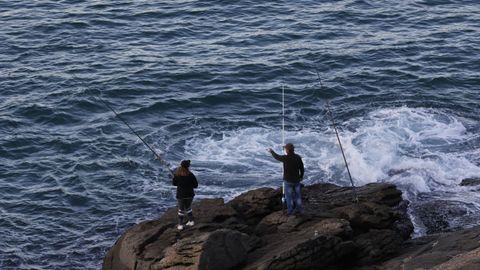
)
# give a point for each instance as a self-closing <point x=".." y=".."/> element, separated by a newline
<point x="203" y="80"/>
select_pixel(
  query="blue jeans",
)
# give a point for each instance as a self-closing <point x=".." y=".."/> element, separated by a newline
<point x="293" y="197"/>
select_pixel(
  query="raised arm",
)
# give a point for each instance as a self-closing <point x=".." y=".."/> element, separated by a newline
<point x="275" y="155"/>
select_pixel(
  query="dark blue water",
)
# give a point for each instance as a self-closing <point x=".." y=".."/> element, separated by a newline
<point x="203" y="80"/>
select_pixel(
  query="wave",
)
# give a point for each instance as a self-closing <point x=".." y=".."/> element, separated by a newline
<point x="414" y="148"/>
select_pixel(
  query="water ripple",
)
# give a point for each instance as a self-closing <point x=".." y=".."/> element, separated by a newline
<point x="203" y="80"/>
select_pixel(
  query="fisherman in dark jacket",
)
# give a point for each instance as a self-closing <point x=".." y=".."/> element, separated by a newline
<point x="293" y="171"/>
<point x="185" y="181"/>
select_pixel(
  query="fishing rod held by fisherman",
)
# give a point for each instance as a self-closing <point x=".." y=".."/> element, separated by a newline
<point x="163" y="162"/>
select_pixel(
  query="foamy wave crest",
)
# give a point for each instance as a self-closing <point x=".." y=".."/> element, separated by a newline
<point x="414" y="148"/>
<point x="411" y="147"/>
<point x="242" y="154"/>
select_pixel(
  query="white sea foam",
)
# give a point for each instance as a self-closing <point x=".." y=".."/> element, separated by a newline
<point x="414" y="148"/>
<point x="404" y="143"/>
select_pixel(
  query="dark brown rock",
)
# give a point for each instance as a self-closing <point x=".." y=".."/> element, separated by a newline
<point x="436" y="214"/>
<point x="376" y="245"/>
<point x="278" y="221"/>
<point x="252" y="232"/>
<point x="367" y="215"/>
<point x="402" y="224"/>
<point x="455" y="250"/>
<point x="253" y="205"/>
<point x="322" y="197"/>
<point x="470" y="182"/>
<point x="217" y="250"/>
<point x="335" y="227"/>
<point x="316" y="252"/>
<point x="143" y="244"/>
<point x="381" y="193"/>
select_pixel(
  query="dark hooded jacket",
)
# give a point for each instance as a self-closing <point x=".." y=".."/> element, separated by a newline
<point x="293" y="168"/>
<point x="185" y="185"/>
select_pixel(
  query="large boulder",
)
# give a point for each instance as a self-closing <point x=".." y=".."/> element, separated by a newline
<point x="217" y="250"/>
<point x="376" y="245"/>
<point x="253" y="205"/>
<point x="252" y="232"/>
<point x="367" y="215"/>
<point x="314" y="252"/>
<point x="278" y="222"/>
<point x="144" y="244"/>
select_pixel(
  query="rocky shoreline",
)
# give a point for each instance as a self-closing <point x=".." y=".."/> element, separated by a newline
<point x="252" y="232"/>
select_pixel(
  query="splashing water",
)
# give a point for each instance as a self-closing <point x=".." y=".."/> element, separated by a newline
<point x="420" y="150"/>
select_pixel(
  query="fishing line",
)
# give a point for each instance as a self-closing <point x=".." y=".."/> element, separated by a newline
<point x="159" y="158"/>
<point x="329" y="112"/>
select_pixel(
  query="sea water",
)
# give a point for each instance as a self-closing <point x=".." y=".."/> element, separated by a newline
<point x="202" y="80"/>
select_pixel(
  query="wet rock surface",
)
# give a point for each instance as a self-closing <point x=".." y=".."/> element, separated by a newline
<point x="455" y="250"/>
<point x="253" y="232"/>
<point x="437" y="214"/>
<point x="475" y="181"/>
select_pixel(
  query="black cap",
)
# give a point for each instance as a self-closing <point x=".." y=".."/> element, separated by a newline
<point x="289" y="147"/>
<point x="185" y="163"/>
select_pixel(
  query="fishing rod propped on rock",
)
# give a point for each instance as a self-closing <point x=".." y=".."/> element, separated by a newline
<point x="343" y="153"/>
<point x="329" y="112"/>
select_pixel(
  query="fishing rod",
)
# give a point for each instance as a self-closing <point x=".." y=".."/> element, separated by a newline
<point x="283" y="142"/>
<point x="343" y="153"/>
<point x="159" y="158"/>
<point x="283" y="114"/>
<point x="329" y="112"/>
